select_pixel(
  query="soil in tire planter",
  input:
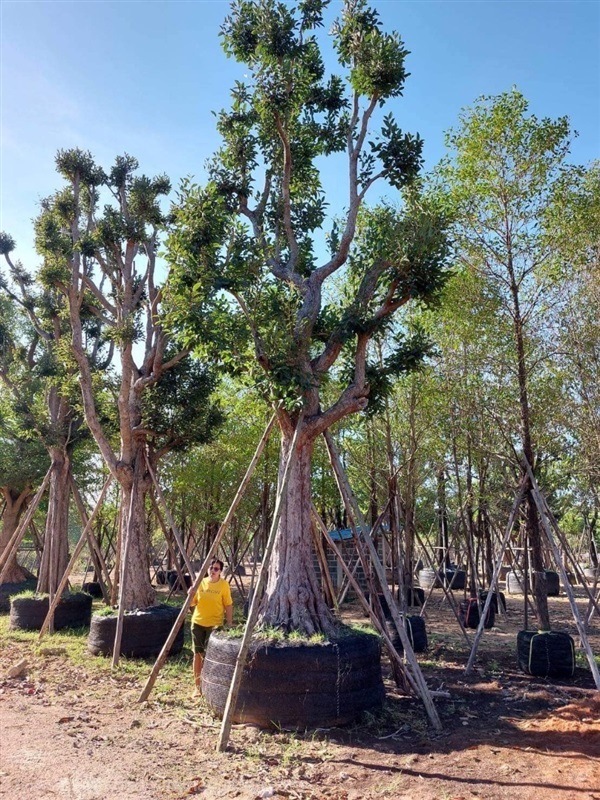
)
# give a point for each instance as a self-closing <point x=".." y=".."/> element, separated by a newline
<point x="8" y="589"/>
<point x="28" y="613"/>
<point x="297" y="686"/>
<point x="144" y="632"/>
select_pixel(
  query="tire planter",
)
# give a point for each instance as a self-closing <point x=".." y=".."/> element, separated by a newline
<point x="470" y="614"/>
<point x="515" y="582"/>
<point x="416" y="631"/>
<point x="552" y="583"/>
<point x="427" y="578"/>
<point x="92" y="588"/>
<point x="546" y="654"/>
<point x="28" y="613"/>
<point x="144" y="632"/>
<point x="454" y="579"/>
<point x="415" y="596"/>
<point x="174" y="581"/>
<point x="8" y="589"/>
<point x="296" y="686"/>
<point x="498" y="600"/>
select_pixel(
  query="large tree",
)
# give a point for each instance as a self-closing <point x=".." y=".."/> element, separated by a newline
<point x="247" y="252"/>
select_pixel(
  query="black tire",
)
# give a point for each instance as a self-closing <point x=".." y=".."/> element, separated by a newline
<point x="417" y="633"/>
<point x="92" y="588"/>
<point x="29" y="613"/>
<point x="455" y="579"/>
<point x="552" y="583"/>
<point x="144" y="632"/>
<point x="498" y="600"/>
<point x="174" y="581"/>
<point x="297" y="686"/>
<point x="415" y="596"/>
<point x="546" y="654"/>
<point x="8" y="589"/>
<point x="470" y="614"/>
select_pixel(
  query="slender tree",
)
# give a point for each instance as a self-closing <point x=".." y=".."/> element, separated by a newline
<point x="502" y="175"/>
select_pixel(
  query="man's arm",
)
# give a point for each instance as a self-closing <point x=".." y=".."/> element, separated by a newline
<point x="229" y="614"/>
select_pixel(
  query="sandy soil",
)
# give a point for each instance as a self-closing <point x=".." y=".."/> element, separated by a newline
<point x="75" y="732"/>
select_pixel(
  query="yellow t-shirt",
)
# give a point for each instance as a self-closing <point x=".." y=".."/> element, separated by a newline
<point x="210" y="602"/>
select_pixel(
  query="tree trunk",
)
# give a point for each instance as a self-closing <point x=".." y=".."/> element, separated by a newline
<point x="293" y="599"/>
<point x="534" y="533"/>
<point x="13" y="509"/>
<point x="55" y="555"/>
<point x="135" y="538"/>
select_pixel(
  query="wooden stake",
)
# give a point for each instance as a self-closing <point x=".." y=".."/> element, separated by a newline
<point x="121" y="610"/>
<point x="354" y="510"/>
<point x="494" y="584"/>
<point x="545" y="513"/>
<point x="78" y="548"/>
<point x="162" y="656"/>
<point x="171" y="521"/>
<point x="15" y="540"/>
<point x="240" y="662"/>
<point x="103" y="572"/>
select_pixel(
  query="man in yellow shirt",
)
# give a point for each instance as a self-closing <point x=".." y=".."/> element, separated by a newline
<point x="212" y="602"/>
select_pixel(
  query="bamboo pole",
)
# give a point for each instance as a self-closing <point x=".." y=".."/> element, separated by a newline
<point x="240" y="662"/>
<point x="15" y="540"/>
<point x="545" y="513"/>
<point x="78" y="548"/>
<point x="392" y="652"/>
<point x="354" y="510"/>
<point x="367" y="607"/>
<point x="494" y="583"/>
<point x="162" y="656"/>
<point x="322" y="557"/>
<point x="121" y="610"/>
<point x="93" y="542"/>
<point x="445" y="589"/>
<point x="170" y="520"/>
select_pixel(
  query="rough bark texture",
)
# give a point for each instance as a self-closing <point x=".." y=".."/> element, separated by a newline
<point x="14" y="506"/>
<point x="55" y="555"/>
<point x="293" y="598"/>
<point x="135" y="538"/>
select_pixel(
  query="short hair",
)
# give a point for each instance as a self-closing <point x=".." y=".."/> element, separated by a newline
<point x="219" y="562"/>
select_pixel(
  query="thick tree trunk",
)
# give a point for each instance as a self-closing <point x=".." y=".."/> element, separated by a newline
<point x="13" y="508"/>
<point x="293" y="599"/>
<point x="55" y="555"/>
<point x="135" y="538"/>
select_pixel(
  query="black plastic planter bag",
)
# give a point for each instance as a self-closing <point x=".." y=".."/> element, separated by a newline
<point x="469" y="611"/>
<point x="546" y="654"/>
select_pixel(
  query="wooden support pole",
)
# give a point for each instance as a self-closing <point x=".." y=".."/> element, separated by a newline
<point x="162" y="656"/>
<point x="354" y="510"/>
<point x="447" y="592"/>
<point x="494" y="584"/>
<point x="77" y="550"/>
<point x="392" y="652"/>
<point x="171" y="521"/>
<point x="15" y="540"/>
<point x="545" y="512"/>
<point x="92" y="541"/>
<point x="240" y="662"/>
<point x="123" y="572"/>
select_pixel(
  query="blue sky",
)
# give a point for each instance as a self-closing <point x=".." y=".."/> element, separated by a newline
<point x="142" y="76"/>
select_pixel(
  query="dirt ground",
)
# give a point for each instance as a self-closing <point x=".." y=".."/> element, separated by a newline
<point x="73" y="731"/>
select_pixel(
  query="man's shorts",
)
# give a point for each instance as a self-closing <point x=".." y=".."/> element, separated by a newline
<point x="200" y="636"/>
